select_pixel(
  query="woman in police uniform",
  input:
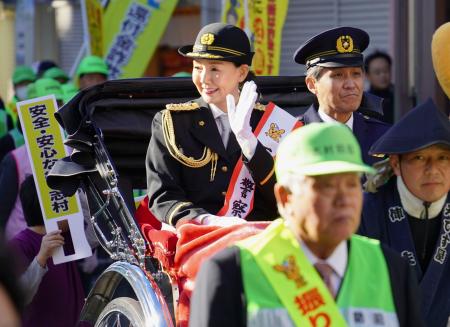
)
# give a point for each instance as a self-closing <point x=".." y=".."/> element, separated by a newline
<point x="196" y="145"/>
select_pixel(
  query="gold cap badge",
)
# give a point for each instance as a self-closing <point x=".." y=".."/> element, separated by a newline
<point x="344" y="44"/>
<point x="207" y="39"/>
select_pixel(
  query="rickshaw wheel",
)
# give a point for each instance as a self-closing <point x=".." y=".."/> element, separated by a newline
<point x="122" y="311"/>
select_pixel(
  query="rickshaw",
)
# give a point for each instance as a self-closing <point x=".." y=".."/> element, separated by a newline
<point x="108" y="128"/>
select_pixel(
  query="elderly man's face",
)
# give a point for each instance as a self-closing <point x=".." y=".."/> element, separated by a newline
<point x="323" y="210"/>
<point x="426" y="172"/>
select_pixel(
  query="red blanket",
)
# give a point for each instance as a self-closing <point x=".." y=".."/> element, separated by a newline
<point x="182" y="254"/>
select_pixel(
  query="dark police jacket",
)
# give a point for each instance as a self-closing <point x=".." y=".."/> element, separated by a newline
<point x="366" y="130"/>
<point x="178" y="190"/>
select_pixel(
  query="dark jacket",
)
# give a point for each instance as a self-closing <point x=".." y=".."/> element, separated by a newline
<point x="366" y="129"/>
<point x="177" y="191"/>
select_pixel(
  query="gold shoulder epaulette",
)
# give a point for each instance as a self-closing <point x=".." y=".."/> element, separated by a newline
<point x="260" y="106"/>
<point x="187" y="106"/>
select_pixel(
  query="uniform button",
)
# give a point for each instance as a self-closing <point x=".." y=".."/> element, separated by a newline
<point x="224" y="193"/>
<point x="224" y="169"/>
<point x="201" y="123"/>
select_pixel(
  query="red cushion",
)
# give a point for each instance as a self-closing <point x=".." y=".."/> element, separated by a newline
<point x="144" y="215"/>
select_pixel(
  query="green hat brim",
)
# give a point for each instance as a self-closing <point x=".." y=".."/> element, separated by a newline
<point x="332" y="167"/>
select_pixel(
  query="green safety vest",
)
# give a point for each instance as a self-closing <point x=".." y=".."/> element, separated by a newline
<point x="12" y="110"/>
<point x="297" y="295"/>
<point x="3" y="122"/>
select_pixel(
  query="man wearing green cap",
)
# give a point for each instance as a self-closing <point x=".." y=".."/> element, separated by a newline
<point x="91" y="71"/>
<point x="22" y="76"/>
<point x="309" y="269"/>
<point x="57" y="74"/>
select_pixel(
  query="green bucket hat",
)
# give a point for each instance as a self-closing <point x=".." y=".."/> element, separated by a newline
<point x="69" y="91"/>
<point x="320" y="149"/>
<point x="31" y="91"/>
<point x="48" y="86"/>
<point x="56" y="72"/>
<point x="92" y="65"/>
<point x="22" y="74"/>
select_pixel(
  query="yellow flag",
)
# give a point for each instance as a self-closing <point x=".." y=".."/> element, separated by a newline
<point x="131" y="33"/>
<point x="265" y="26"/>
<point x="94" y="15"/>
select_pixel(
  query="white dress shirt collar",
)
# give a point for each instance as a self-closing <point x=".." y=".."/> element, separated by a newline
<point x="337" y="260"/>
<point x="329" y="119"/>
<point x="216" y="111"/>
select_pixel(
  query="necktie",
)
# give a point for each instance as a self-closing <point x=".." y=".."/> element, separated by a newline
<point x="223" y="127"/>
<point x="325" y="271"/>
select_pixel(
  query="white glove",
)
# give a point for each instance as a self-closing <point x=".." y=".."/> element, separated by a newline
<point x="239" y="117"/>
<point x="214" y="220"/>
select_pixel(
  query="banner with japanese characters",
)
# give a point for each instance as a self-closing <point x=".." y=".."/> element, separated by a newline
<point x="44" y="142"/>
<point x="263" y="20"/>
<point x="131" y="33"/>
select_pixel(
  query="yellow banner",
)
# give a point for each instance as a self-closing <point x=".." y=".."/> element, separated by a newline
<point x="131" y="33"/>
<point x="265" y="27"/>
<point x="94" y="15"/>
<point x="44" y="141"/>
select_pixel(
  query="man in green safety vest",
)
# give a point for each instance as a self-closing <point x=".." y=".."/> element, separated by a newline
<point x="309" y="269"/>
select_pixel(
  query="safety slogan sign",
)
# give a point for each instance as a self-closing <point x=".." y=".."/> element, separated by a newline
<point x="44" y="142"/>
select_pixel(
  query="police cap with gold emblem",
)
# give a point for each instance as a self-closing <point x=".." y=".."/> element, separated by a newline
<point x="337" y="47"/>
<point x="220" y="41"/>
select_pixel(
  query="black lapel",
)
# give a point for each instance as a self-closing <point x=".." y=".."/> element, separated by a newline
<point x="360" y="130"/>
<point x="233" y="145"/>
<point x="311" y="115"/>
<point x="204" y="129"/>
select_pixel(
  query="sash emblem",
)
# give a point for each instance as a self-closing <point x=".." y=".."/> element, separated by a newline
<point x="290" y="268"/>
<point x="275" y="132"/>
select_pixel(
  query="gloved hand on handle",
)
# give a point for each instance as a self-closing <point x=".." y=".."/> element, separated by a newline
<point x="239" y="117"/>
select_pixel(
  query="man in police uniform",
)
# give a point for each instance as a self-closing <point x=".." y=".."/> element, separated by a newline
<point x="335" y="74"/>
<point x="272" y="279"/>
<point x="195" y="146"/>
<point x="411" y="212"/>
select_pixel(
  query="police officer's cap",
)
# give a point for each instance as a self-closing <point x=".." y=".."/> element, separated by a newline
<point x="337" y="47"/>
<point x="220" y="41"/>
<point x="423" y="126"/>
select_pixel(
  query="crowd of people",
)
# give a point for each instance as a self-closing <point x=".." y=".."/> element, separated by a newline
<point x="342" y="253"/>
